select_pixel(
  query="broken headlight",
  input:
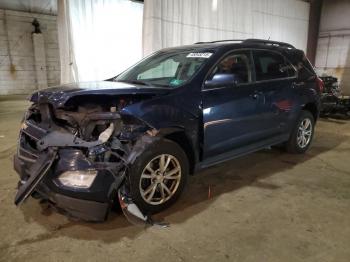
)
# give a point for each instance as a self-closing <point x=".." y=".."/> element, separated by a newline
<point x="78" y="178"/>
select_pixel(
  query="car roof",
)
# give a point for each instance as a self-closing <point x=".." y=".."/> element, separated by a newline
<point x="233" y="44"/>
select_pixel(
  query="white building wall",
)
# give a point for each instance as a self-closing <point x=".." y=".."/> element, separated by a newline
<point x="178" y="22"/>
<point x="16" y="44"/>
<point x="333" y="47"/>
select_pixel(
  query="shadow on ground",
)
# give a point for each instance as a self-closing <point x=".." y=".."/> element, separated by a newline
<point x="227" y="177"/>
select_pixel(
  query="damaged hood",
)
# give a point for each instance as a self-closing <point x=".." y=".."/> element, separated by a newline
<point x="59" y="95"/>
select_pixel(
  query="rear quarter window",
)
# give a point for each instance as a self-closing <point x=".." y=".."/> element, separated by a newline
<point x="302" y="64"/>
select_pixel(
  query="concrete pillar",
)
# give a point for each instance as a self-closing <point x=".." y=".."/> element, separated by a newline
<point x="314" y="25"/>
<point x="39" y="60"/>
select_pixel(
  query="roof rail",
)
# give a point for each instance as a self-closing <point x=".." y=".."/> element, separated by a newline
<point x="219" y="41"/>
<point x="268" y="42"/>
<point x="253" y="41"/>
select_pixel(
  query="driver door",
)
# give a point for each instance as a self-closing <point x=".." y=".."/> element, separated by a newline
<point x="231" y="115"/>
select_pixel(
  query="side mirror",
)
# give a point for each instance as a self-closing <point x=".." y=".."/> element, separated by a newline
<point x="222" y="79"/>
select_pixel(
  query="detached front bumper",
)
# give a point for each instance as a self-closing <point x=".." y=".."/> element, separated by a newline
<point x="88" y="204"/>
<point x="39" y="171"/>
<point x="80" y="208"/>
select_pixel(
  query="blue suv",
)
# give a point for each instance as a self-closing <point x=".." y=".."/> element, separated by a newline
<point x="136" y="137"/>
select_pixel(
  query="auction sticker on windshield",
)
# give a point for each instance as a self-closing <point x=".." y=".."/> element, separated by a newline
<point x="199" y="55"/>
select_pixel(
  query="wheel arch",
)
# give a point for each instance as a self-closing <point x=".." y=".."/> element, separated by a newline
<point x="180" y="138"/>
<point x="313" y="109"/>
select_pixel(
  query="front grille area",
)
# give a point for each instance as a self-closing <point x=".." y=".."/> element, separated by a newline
<point x="27" y="152"/>
<point x="30" y="133"/>
<point x="27" y="148"/>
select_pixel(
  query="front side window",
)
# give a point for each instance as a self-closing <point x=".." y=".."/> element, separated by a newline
<point x="170" y="69"/>
<point x="270" y="65"/>
<point x="237" y="65"/>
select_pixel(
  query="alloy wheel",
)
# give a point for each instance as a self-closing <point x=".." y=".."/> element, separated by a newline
<point x="160" y="179"/>
<point x="304" y="133"/>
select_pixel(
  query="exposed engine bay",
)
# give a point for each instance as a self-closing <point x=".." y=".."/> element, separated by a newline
<point x="89" y="135"/>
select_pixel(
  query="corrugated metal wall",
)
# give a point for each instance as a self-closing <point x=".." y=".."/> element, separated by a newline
<point x="178" y="22"/>
<point x="281" y="20"/>
<point x="333" y="48"/>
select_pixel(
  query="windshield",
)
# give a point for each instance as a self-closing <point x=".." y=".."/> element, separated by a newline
<point x="170" y="69"/>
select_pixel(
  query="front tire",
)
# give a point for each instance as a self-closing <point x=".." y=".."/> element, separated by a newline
<point x="158" y="176"/>
<point x="302" y="135"/>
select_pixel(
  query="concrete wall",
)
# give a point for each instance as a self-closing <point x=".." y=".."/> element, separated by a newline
<point x="333" y="48"/>
<point x="48" y="7"/>
<point x="16" y="45"/>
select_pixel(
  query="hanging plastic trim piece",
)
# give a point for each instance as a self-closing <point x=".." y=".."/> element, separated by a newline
<point x="133" y="214"/>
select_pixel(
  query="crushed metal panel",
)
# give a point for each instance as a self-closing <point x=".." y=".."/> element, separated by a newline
<point x="38" y="171"/>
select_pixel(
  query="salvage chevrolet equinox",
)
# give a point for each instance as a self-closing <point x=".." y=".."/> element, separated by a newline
<point x="135" y="138"/>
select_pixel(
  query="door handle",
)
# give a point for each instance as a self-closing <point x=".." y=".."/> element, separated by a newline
<point x="297" y="84"/>
<point x="256" y="95"/>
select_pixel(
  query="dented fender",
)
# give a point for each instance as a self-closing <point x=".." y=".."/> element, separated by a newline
<point x="109" y="136"/>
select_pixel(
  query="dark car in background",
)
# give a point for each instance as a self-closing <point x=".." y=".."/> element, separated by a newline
<point x="135" y="138"/>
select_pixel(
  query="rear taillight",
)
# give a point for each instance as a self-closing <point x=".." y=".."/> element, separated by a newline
<point x="320" y="84"/>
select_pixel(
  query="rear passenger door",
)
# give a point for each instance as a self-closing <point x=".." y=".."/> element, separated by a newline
<point x="274" y="78"/>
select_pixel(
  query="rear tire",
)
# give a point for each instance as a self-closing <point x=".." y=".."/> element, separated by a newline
<point x="302" y="134"/>
<point x="158" y="176"/>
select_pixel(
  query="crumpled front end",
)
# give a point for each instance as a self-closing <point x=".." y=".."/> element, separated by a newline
<point x="77" y="157"/>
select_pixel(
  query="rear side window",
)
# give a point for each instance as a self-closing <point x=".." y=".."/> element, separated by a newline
<point x="270" y="65"/>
